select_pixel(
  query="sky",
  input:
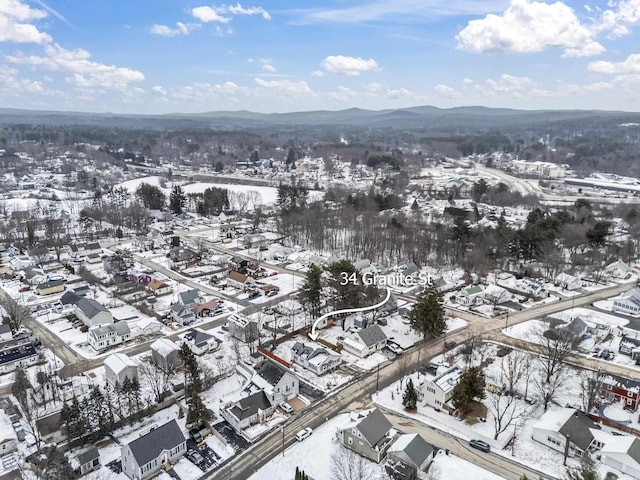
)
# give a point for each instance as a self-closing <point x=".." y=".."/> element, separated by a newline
<point x="190" y="56"/>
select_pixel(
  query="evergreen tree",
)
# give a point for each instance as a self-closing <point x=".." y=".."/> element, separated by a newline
<point x="410" y="396"/>
<point x="193" y="386"/>
<point x="20" y="387"/>
<point x="58" y="467"/>
<point x="177" y="199"/>
<point x="427" y="316"/>
<point x="312" y="290"/>
<point x="469" y="388"/>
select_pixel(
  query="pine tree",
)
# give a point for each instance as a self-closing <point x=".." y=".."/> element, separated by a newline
<point x="469" y="388"/>
<point x="312" y="290"/>
<point x="427" y="317"/>
<point x="177" y="199"/>
<point x="410" y="396"/>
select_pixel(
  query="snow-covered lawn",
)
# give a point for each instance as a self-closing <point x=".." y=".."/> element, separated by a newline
<point x="449" y="467"/>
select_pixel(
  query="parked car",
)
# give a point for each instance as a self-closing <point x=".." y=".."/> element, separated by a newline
<point x="286" y="407"/>
<point x="480" y="445"/>
<point x="196" y="435"/>
<point x="395" y="348"/>
<point x="195" y="457"/>
<point x="302" y="434"/>
<point x="449" y="344"/>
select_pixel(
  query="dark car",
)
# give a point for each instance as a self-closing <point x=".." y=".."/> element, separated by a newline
<point x="480" y="445"/>
<point x="195" y="457"/>
<point x="448" y="345"/>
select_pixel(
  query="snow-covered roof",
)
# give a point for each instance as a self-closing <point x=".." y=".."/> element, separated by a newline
<point x="554" y="418"/>
<point x="117" y="362"/>
<point x="164" y="346"/>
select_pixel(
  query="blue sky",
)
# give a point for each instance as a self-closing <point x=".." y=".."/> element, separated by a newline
<point x="162" y="56"/>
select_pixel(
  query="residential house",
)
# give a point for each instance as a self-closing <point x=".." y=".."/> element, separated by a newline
<point x="18" y="357"/>
<point x="182" y="314"/>
<point x="165" y="354"/>
<point x="239" y="280"/>
<point x="144" y="457"/>
<point x="92" y="313"/>
<point x="470" y="296"/>
<point x="21" y="262"/>
<point x="102" y="337"/>
<point x="438" y="391"/>
<point x="618" y="269"/>
<point x="89" y="460"/>
<point x="495" y="295"/>
<point x="629" y="346"/>
<point x="628" y="302"/>
<point x="119" y="366"/>
<point x="277" y="382"/>
<point x="366" y="341"/>
<point x="214" y="307"/>
<point x="567" y="282"/>
<point x="242" y="328"/>
<point x="5" y="332"/>
<point x="255" y="240"/>
<point x="199" y="341"/>
<point x="577" y="327"/>
<point x="371" y="437"/>
<point x="66" y="303"/>
<point x="409" y="455"/>
<point x="316" y="359"/>
<point x="247" y="411"/>
<point x="558" y="425"/>
<point x="622" y="453"/>
<point x="158" y="287"/>
<point x="620" y="389"/>
<point x="238" y="264"/>
<point x="8" y="442"/>
<point x="190" y="297"/>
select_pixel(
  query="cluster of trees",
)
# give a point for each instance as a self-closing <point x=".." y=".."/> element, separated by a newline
<point x="193" y="387"/>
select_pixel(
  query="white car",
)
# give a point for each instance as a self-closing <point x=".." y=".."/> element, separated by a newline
<point x="302" y="434"/>
<point x="395" y="348"/>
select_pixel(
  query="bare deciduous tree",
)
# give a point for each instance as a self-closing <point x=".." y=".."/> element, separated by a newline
<point x="348" y="465"/>
<point x="557" y="344"/>
<point x="156" y="377"/>
<point x="16" y="313"/>
<point x="549" y="387"/>
<point x="591" y="383"/>
<point x="513" y="368"/>
<point x="402" y="363"/>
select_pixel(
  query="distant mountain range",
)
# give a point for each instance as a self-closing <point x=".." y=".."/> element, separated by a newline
<point x="423" y="117"/>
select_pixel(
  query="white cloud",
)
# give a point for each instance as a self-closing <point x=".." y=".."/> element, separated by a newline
<point x="348" y="66"/>
<point x="509" y="84"/>
<point x="529" y="26"/>
<point x="85" y="73"/>
<point x="15" y="26"/>
<point x="166" y="31"/>
<point x="12" y="85"/>
<point x="207" y="14"/>
<point x="223" y="13"/>
<point x="267" y="64"/>
<point x="446" y="91"/>
<point x="630" y="65"/>
<point x="286" y="87"/>
<point x="317" y="73"/>
<point x="159" y="89"/>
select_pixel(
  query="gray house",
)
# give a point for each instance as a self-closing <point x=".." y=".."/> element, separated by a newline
<point x="248" y="411"/>
<point x="408" y="455"/>
<point x="316" y="359"/>
<point x="242" y="328"/>
<point x="146" y="456"/>
<point x="365" y="342"/>
<point x="276" y="381"/>
<point x="370" y="438"/>
<point x="88" y="460"/>
<point x="119" y="366"/>
<point x="164" y="353"/>
<point x="92" y="313"/>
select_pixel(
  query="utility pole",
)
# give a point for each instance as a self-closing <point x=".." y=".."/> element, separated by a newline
<point x="377" y="377"/>
<point x="282" y="429"/>
<point x="506" y="320"/>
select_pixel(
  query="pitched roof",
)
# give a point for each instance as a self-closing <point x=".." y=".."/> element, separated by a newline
<point x="117" y="362"/>
<point x="237" y="276"/>
<point x="249" y="406"/>
<point x="372" y="335"/>
<point x="88" y="456"/>
<point x="374" y="427"/>
<point x="197" y="337"/>
<point x="271" y="372"/>
<point x="50" y="284"/>
<point x="151" y="445"/>
<point x="90" y="307"/>
<point x="4" y="328"/>
<point x="577" y="428"/>
<point x="155" y="284"/>
<point x="189" y="296"/>
<point x="414" y="448"/>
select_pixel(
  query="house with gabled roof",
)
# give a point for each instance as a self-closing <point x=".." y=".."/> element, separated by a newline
<point x="239" y="280"/>
<point x="470" y="295"/>
<point x="118" y="367"/>
<point x="88" y="461"/>
<point x="17" y="357"/>
<point x="182" y="314"/>
<point x="190" y="297"/>
<point x="278" y="382"/>
<point x="628" y="302"/>
<point x="50" y="287"/>
<point x="199" y="341"/>
<point x="371" y="437"/>
<point x="247" y="411"/>
<point x="616" y="388"/>
<point x="409" y="455"/>
<point x="567" y="281"/>
<point x="165" y="354"/>
<point x="622" y="453"/>
<point x="102" y="337"/>
<point x="92" y="313"/>
<point x="495" y="295"/>
<point x="145" y="456"/>
<point x="629" y="346"/>
<point x="558" y="425"/>
<point x="618" y="269"/>
<point x="158" y="287"/>
<point x="438" y="391"/>
<point x="315" y="358"/>
<point x="366" y="341"/>
<point x="242" y="327"/>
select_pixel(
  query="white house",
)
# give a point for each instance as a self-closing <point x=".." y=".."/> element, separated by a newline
<point x="366" y="341"/>
<point x="242" y="328"/>
<point x="558" y="425"/>
<point x="92" y="313"/>
<point x="618" y="269"/>
<point x="277" y="382"/>
<point x="182" y="314"/>
<point x="438" y="391"/>
<point x="317" y="359"/>
<point x="247" y="411"/>
<point x="409" y="453"/>
<point x="567" y="282"/>
<point x="105" y="336"/>
<point x="165" y="354"/>
<point x="495" y="295"/>
<point x="117" y="367"/>
<point x="628" y="302"/>
<point x="622" y="453"/>
<point x="199" y="341"/>
<point x="239" y="280"/>
<point x="144" y="457"/>
<point x="470" y="295"/>
<point x="17" y="357"/>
